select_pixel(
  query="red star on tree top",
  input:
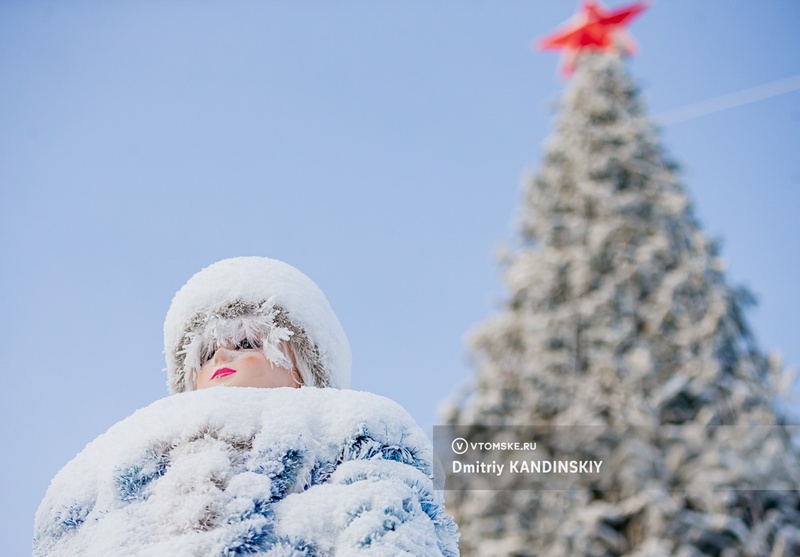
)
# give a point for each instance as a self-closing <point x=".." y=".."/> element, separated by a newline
<point x="593" y="28"/>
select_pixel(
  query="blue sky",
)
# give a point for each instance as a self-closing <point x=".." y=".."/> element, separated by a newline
<point x="379" y="146"/>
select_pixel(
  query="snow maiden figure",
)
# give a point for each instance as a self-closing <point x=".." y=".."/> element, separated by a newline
<point x="281" y="471"/>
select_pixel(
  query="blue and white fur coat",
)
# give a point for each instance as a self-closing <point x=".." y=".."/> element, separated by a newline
<point x="242" y="471"/>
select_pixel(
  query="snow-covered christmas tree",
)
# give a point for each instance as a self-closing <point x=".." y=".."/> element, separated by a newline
<point x="619" y="314"/>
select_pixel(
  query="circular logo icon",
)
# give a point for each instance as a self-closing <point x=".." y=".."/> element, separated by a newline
<point x="459" y="445"/>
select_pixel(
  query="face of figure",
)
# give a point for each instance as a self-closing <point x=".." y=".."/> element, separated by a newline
<point x="232" y="366"/>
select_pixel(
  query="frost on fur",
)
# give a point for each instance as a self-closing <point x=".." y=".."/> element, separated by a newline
<point x="237" y="471"/>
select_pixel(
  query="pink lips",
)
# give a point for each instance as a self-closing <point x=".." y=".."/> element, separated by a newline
<point x="222" y="372"/>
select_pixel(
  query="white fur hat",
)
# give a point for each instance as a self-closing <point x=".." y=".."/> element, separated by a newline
<point x="260" y="299"/>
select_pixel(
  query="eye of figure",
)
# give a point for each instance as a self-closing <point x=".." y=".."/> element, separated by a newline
<point x="247" y="344"/>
